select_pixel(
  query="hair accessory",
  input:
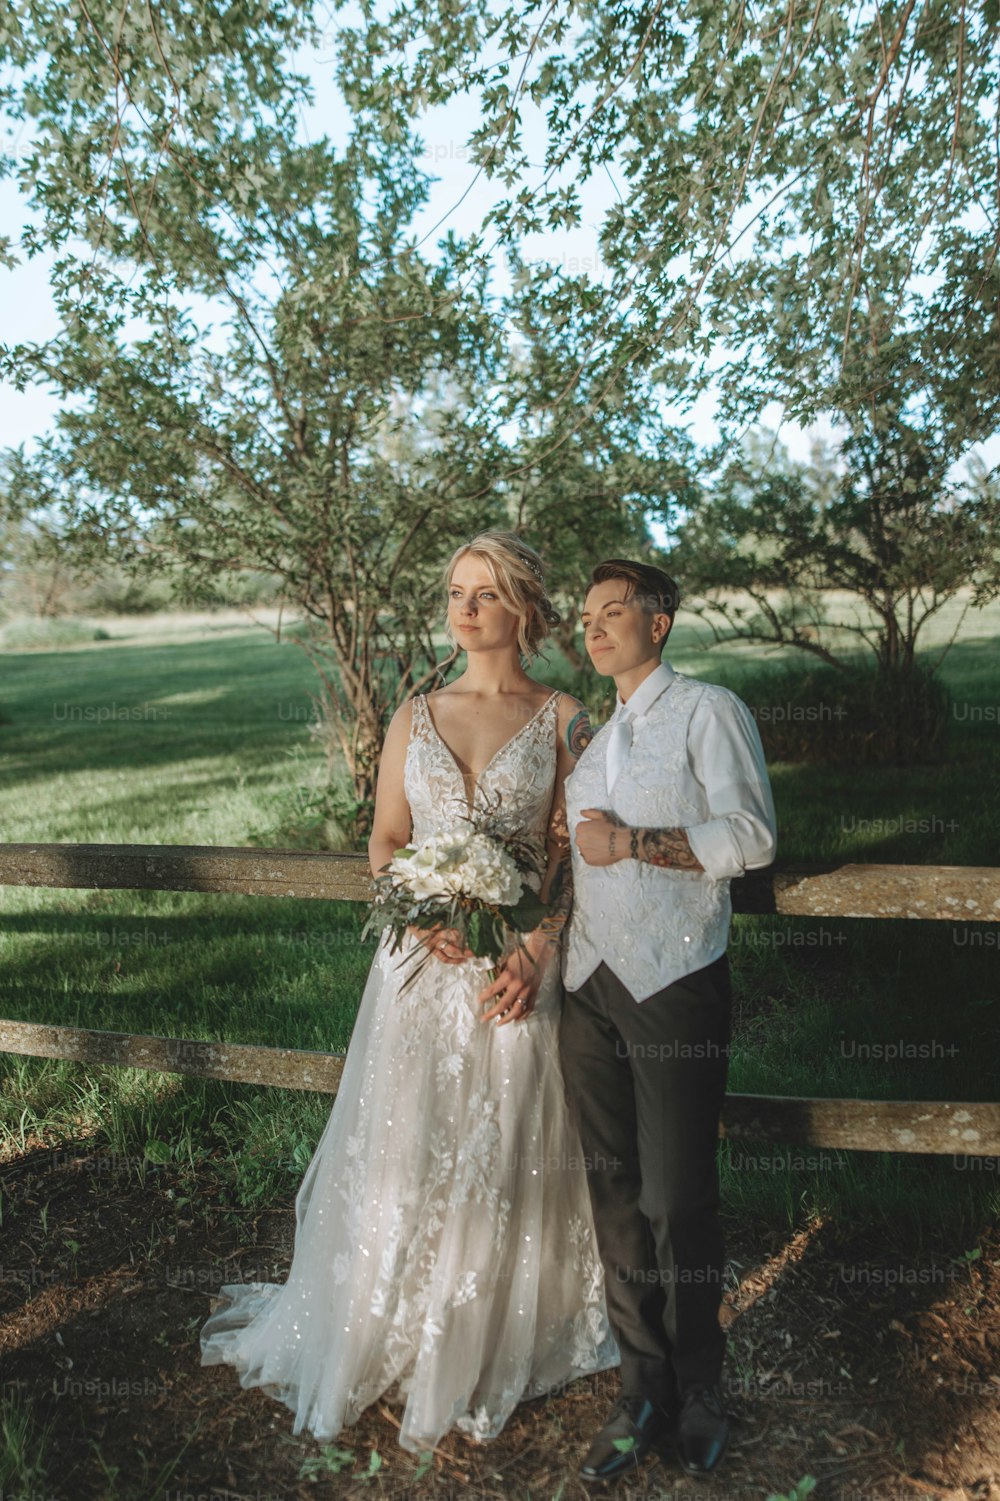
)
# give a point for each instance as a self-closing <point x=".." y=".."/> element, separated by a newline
<point x="533" y="566"/>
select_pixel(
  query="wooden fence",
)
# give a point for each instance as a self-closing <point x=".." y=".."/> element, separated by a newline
<point x="955" y="894"/>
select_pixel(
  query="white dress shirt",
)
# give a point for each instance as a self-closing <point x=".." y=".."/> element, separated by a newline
<point x="695" y="762"/>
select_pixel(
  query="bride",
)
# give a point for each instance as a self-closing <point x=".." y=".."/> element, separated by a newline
<point x="444" y="1244"/>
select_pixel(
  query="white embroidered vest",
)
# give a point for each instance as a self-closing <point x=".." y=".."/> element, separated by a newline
<point x="649" y="924"/>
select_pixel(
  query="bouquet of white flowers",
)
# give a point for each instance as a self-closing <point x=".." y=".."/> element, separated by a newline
<point x="476" y="879"/>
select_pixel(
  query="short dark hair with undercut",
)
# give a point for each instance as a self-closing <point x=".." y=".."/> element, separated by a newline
<point x="655" y="591"/>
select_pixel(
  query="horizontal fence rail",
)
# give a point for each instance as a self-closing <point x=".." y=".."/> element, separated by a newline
<point x="932" y="892"/>
<point x="938" y="892"/>
<point x="860" y="1125"/>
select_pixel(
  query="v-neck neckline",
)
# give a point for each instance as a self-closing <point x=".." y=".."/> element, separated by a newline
<point x="471" y="802"/>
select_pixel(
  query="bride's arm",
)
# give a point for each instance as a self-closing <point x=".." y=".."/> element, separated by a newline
<point x="522" y="974"/>
<point x="557" y="887"/>
<point x="391" y="822"/>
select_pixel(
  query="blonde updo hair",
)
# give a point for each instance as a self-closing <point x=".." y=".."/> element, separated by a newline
<point x="520" y="582"/>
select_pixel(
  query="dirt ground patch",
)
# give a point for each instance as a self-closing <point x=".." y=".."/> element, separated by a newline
<point x="862" y="1360"/>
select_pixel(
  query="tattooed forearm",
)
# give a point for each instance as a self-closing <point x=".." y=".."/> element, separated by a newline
<point x="559" y="898"/>
<point x="668" y="847"/>
<point x="579" y="733"/>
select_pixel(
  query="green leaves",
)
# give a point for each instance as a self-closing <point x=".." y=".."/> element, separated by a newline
<point x="881" y="519"/>
<point x="799" y="1491"/>
<point x="528" y="911"/>
<point x="268" y="376"/>
<point x="808" y="167"/>
<point x="484" y="933"/>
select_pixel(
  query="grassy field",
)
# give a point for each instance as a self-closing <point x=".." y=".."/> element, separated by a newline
<point x="196" y="730"/>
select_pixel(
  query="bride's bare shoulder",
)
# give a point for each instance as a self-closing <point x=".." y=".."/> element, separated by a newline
<point x="399" y="725"/>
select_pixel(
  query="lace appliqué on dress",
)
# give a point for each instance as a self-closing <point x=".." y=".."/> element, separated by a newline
<point x="448" y="1171"/>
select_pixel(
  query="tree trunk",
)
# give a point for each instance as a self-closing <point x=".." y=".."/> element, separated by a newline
<point x="367" y="751"/>
<point x="565" y="635"/>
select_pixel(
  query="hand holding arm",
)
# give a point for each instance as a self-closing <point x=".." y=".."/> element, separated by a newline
<point x="726" y="757"/>
<point x="522" y="975"/>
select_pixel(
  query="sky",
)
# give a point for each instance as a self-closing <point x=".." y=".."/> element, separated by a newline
<point x="459" y="200"/>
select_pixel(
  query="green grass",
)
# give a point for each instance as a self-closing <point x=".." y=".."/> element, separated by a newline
<point x="23" y="1443"/>
<point x="864" y="1010"/>
<point x="167" y="734"/>
<point x="151" y="742"/>
<point x="944" y="813"/>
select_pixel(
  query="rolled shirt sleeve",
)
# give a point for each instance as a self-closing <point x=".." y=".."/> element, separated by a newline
<point x="726" y="757"/>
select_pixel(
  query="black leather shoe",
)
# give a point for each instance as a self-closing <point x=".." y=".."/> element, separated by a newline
<point x="702" y="1430"/>
<point x="635" y="1426"/>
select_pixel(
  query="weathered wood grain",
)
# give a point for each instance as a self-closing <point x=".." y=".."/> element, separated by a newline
<point x="937" y="892"/>
<point x="966" y="1129"/>
<point x="241" y="1063"/>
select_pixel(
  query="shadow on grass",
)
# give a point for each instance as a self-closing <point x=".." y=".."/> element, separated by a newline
<point x="284" y="976"/>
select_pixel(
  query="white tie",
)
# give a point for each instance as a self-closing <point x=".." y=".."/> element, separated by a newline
<point x="619" y="744"/>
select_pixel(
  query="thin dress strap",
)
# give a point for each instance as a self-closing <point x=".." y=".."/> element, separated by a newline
<point x="419" y="713"/>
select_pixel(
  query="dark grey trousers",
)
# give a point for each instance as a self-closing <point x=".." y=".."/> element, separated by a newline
<point x="645" y="1082"/>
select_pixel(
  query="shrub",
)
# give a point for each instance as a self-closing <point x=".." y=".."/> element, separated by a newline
<point x="47" y="633"/>
<point x="857" y="716"/>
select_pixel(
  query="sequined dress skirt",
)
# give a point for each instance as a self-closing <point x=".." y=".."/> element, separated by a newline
<point x="444" y="1244"/>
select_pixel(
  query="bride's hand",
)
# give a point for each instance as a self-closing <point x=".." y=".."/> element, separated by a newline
<point x="445" y="944"/>
<point x="516" y="986"/>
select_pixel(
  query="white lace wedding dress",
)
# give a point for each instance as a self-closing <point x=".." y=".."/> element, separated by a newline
<point x="444" y="1245"/>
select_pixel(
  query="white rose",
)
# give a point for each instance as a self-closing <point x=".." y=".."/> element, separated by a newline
<point x="457" y="863"/>
<point x="432" y="870"/>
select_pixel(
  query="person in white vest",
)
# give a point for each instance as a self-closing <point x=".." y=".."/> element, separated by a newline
<point x="669" y="800"/>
